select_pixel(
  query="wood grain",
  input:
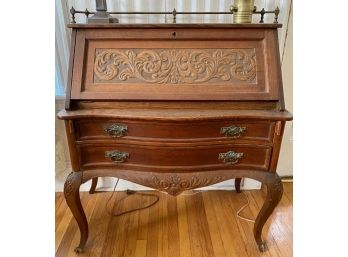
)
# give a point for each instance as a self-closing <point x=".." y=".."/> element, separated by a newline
<point x="203" y="224"/>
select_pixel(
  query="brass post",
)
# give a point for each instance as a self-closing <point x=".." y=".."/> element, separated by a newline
<point x="243" y="11"/>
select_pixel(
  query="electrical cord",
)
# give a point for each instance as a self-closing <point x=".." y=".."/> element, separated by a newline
<point x="129" y="192"/>
<point x="242" y="208"/>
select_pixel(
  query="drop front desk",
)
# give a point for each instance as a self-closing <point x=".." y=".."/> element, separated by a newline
<point x="174" y="107"/>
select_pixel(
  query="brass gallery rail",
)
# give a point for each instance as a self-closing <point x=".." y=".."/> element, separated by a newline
<point x="175" y="13"/>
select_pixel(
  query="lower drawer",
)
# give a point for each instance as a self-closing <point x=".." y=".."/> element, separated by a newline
<point x="169" y="159"/>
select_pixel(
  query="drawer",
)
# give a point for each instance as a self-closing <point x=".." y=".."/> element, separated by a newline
<point x="115" y="130"/>
<point x="169" y="159"/>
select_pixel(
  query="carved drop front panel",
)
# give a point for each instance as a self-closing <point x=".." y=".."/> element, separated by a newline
<point x="175" y="66"/>
<point x="130" y="65"/>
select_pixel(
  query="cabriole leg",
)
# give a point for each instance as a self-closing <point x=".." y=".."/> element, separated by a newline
<point x="237" y="182"/>
<point x="274" y="194"/>
<point x="72" y="197"/>
<point x="94" y="185"/>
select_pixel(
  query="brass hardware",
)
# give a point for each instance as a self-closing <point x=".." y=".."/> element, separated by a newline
<point x="116" y="130"/>
<point x="233" y="131"/>
<point x="243" y="11"/>
<point x="230" y="157"/>
<point x="243" y="16"/>
<point x="117" y="156"/>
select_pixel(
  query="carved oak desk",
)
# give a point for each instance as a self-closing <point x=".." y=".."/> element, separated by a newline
<point x="174" y="107"/>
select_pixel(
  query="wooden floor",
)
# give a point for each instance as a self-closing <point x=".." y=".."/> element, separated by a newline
<point x="199" y="225"/>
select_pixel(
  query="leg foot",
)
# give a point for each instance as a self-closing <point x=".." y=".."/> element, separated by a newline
<point x="237" y="182"/>
<point x="274" y="194"/>
<point x="72" y="197"/>
<point x="78" y="250"/>
<point x="94" y="185"/>
<point x="262" y="247"/>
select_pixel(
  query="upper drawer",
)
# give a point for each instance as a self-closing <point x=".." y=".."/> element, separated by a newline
<point x="235" y="130"/>
<point x="176" y="64"/>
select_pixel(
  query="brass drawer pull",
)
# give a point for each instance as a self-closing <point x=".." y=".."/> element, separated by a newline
<point x="230" y="157"/>
<point x="116" y="130"/>
<point x="233" y="131"/>
<point x="117" y="156"/>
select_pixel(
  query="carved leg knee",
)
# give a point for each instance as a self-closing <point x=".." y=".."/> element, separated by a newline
<point x="94" y="185"/>
<point x="72" y="197"/>
<point x="274" y="194"/>
<point x="237" y="182"/>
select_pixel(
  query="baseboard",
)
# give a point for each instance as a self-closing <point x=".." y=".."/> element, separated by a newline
<point x="287" y="178"/>
<point x="107" y="184"/>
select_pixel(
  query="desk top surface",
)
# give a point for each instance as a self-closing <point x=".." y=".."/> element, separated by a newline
<point x="175" y="25"/>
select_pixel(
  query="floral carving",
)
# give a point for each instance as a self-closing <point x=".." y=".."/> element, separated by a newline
<point x="69" y="185"/>
<point x="175" y="184"/>
<point x="72" y="183"/>
<point x="173" y="66"/>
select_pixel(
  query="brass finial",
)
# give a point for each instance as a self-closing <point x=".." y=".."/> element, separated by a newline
<point x="276" y="13"/>
<point x="72" y="11"/>
<point x="262" y="14"/>
<point x="87" y="12"/>
<point x="174" y="15"/>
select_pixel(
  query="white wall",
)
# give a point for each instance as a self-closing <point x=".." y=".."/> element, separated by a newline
<point x="62" y="56"/>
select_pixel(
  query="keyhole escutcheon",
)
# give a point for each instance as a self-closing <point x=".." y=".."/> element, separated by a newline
<point x="174" y="34"/>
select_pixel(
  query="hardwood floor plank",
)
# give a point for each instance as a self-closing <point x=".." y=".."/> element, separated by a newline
<point x="120" y="229"/>
<point x="116" y="224"/>
<point x="162" y="236"/>
<point x="134" y="202"/>
<point x="61" y="211"/>
<point x="59" y="198"/>
<point x="201" y="244"/>
<point x="98" y="226"/>
<point x="152" y="230"/>
<point x="288" y="190"/>
<point x="200" y="225"/>
<point x="140" y="248"/>
<point x="144" y="220"/>
<point x="234" y="245"/>
<point x="173" y="228"/>
<point x="218" y="243"/>
<point x="185" y="248"/>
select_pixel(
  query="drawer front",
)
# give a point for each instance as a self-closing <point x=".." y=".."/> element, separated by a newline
<point x="169" y="159"/>
<point x="116" y="130"/>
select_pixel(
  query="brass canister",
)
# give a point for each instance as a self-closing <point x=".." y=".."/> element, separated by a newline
<point x="243" y="11"/>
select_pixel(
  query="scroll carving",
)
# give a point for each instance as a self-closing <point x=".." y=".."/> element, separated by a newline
<point x="175" y="184"/>
<point x="72" y="182"/>
<point x="69" y="185"/>
<point x="174" y="66"/>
